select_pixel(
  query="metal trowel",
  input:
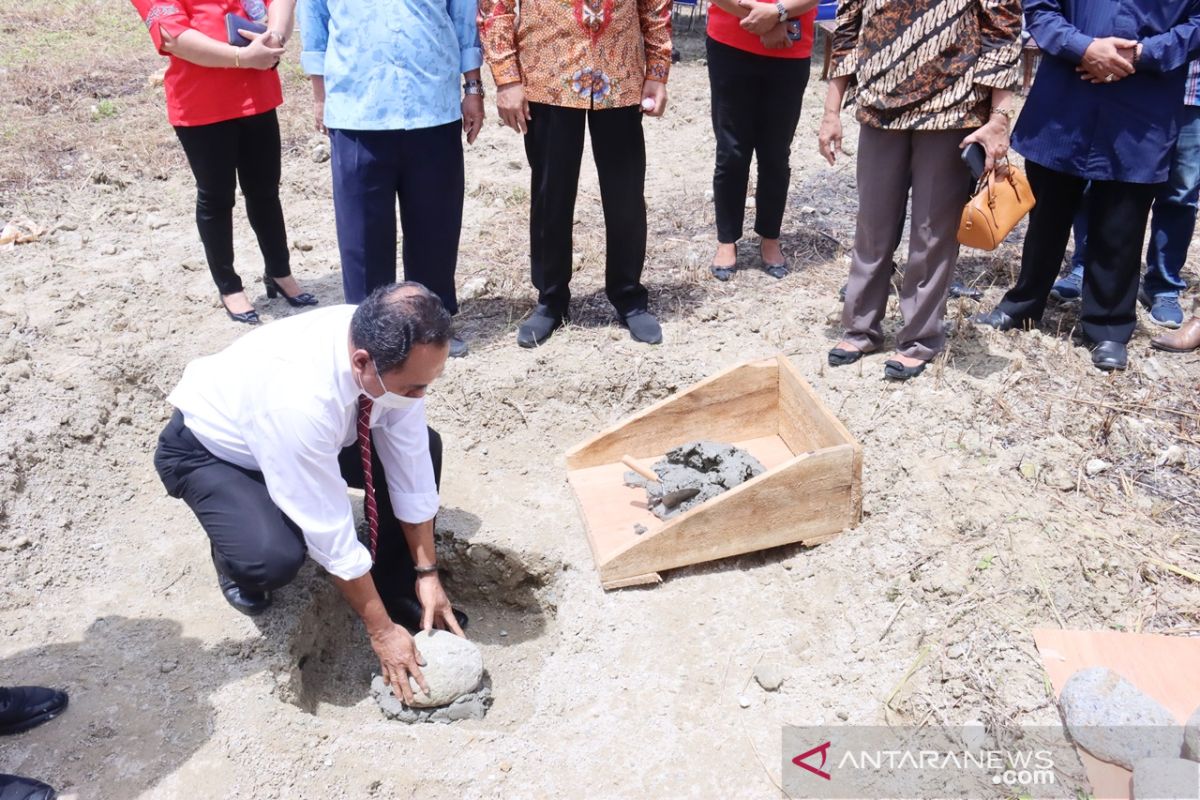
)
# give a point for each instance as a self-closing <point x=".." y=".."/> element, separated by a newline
<point x="668" y="499"/>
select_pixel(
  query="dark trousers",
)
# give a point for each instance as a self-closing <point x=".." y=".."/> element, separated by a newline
<point x="222" y="155"/>
<point x="256" y="544"/>
<point x="1116" y="229"/>
<point x="756" y="104"/>
<point x="554" y="146"/>
<point x="423" y="168"/>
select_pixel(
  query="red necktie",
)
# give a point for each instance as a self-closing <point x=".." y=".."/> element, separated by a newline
<point x="364" y="451"/>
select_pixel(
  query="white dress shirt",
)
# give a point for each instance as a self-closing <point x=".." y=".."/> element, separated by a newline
<point x="282" y="400"/>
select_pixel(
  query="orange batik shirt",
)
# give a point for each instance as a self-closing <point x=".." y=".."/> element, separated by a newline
<point x="577" y="53"/>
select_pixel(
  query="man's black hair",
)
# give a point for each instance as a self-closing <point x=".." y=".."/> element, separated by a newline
<point x="395" y="318"/>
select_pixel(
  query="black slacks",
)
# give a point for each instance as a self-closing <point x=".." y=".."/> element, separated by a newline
<point x="254" y="543"/>
<point x="222" y="155"/>
<point x="756" y="104"/>
<point x="423" y="169"/>
<point x="554" y="146"/>
<point x="1117" y="218"/>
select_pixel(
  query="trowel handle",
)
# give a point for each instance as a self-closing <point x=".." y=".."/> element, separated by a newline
<point x="649" y="475"/>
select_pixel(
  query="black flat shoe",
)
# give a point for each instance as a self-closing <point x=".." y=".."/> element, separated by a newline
<point x="1110" y="356"/>
<point x="14" y="787"/>
<point x="840" y="358"/>
<point x="458" y="347"/>
<point x="643" y="326"/>
<point x="540" y="326"/>
<point x="246" y="317"/>
<point x="406" y="611"/>
<point x="960" y="289"/>
<point x="273" y="291"/>
<point x="722" y="273"/>
<point x="776" y="271"/>
<point x="899" y="372"/>
<point x="25" y="707"/>
<point x="247" y="601"/>
<point x="997" y="319"/>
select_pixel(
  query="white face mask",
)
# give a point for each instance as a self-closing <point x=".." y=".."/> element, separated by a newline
<point x="388" y="399"/>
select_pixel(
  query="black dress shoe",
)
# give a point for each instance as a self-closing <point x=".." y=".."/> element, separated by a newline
<point x="899" y="372"/>
<point x="249" y="602"/>
<point x="722" y="273"/>
<point x="840" y="358"/>
<point x="14" y="787"/>
<point x="245" y="317"/>
<point x="25" y="707"/>
<point x="960" y="289"/>
<point x="540" y="326"/>
<point x="406" y="611"/>
<point x="643" y="326"/>
<point x="458" y="347"/>
<point x="776" y="271"/>
<point x="996" y="319"/>
<point x="273" y="290"/>
<point x="1110" y="356"/>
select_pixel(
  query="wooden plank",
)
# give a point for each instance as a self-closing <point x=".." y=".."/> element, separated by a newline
<point x="1164" y="667"/>
<point x="636" y="580"/>
<point x="806" y="500"/>
<point x="610" y="509"/>
<point x="737" y="404"/>
<point x="805" y="422"/>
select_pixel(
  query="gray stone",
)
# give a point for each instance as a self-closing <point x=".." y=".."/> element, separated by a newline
<point x="320" y="153"/>
<point x="1166" y="779"/>
<point x="1095" y="466"/>
<point x="1173" y="456"/>
<point x="1111" y="719"/>
<point x="473" y="705"/>
<point x="769" y="675"/>
<point x="453" y="667"/>
<point x="1191" y="737"/>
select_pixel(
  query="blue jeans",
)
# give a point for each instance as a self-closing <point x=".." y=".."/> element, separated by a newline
<point x="1173" y="219"/>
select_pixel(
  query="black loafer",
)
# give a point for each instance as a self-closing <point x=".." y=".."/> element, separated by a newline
<point x="899" y="372"/>
<point x="960" y="289"/>
<point x="249" y="602"/>
<point x="458" y="347"/>
<point x="540" y="326"/>
<point x="1110" y="356"/>
<point x="14" y="787"/>
<point x="997" y="319"/>
<point x="722" y="273"/>
<point x="25" y="707"/>
<point x="643" y="326"/>
<point x="840" y="358"/>
<point x="406" y="611"/>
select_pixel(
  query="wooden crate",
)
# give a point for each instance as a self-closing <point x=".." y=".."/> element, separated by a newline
<point x="810" y="492"/>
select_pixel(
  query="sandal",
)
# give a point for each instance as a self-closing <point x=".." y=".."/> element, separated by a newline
<point x="899" y="372"/>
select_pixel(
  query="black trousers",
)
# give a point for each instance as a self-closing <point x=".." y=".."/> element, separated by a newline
<point x="423" y="168"/>
<point x="756" y="104"/>
<point x="222" y="155"/>
<point x="256" y="544"/>
<point x="554" y="146"/>
<point x="1117" y="227"/>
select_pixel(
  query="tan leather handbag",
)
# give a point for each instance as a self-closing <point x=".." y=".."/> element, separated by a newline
<point x="1000" y="202"/>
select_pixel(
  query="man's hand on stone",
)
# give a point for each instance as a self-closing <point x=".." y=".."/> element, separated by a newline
<point x="1108" y="60"/>
<point x="398" y="659"/>
<point x="436" y="611"/>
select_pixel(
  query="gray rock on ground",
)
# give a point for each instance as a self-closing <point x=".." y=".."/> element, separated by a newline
<point x="473" y="705"/>
<point x="453" y="667"/>
<point x="1166" y="779"/>
<point x="769" y="675"/>
<point x="1110" y="718"/>
<point x="1191" y="737"/>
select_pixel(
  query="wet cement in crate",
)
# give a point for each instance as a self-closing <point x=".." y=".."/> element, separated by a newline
<point x="710" y="467"/>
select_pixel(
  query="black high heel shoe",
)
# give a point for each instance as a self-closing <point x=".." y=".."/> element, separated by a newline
<point x="273" y="290"/>
<point x="247" y="317"/>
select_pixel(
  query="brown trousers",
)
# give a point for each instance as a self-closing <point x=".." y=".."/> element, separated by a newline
<point x="889" y="164"/>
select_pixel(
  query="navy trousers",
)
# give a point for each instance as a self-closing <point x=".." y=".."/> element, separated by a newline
<point x="423" y="169"/>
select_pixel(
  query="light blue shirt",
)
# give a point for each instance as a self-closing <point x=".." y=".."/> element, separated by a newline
<point x="390" y="64"/>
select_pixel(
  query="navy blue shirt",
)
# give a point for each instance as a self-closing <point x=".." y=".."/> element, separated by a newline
<point x="1123" y="131"/>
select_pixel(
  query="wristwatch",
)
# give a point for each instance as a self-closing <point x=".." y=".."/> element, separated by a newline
<point x="783" y="12"/>
<point x="425" y="569"/>
<point x="1007" y="113"/>
<point x="473" y="87"/>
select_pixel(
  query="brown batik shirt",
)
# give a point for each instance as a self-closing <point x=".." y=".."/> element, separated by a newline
<point x="926" y="64"/>
<point x="578" y="53"/>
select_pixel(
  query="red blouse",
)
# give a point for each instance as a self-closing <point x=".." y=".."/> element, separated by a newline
<point x="726" y="29"/>
<point x="202" y="95"/>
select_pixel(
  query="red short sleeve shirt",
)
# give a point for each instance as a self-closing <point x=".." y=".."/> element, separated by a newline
<point x="202" y="95"/>
<point x="726" y="29"/>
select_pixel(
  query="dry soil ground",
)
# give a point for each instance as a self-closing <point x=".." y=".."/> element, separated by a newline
<point x="981" y="522"/>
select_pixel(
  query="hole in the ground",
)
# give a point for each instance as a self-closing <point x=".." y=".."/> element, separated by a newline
<point x="508" y="596"/>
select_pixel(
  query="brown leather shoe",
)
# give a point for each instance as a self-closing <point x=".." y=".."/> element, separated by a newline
<point x="1184" y="340"/>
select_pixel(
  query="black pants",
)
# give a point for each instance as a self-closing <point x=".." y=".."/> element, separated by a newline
<point x="554" y="145"/>
<point x="255" y="543"/>
<point x="222" y="155"/>
<point x="423" y="168"/>
<point x="756" y="103"/>
<point x="1117" y="227"/>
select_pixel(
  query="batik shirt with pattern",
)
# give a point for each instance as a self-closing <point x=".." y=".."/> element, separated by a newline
<point x="578" y="53"/>
<point x="927" y="64"/>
